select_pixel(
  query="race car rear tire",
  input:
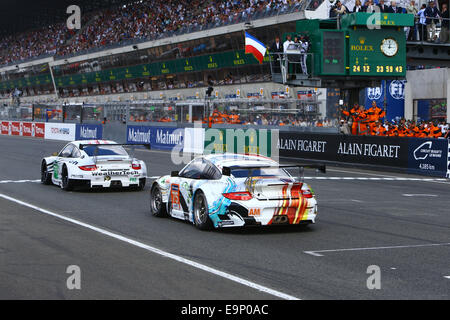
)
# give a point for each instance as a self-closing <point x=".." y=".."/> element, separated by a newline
<point x="142" y="182"/>
<point x="66" y="183"/>
<point x="157" y="207"/>
<point x="46" y="177"/>
<point x="201" y="212"/>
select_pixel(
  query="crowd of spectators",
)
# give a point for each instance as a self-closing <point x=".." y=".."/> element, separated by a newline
<point x="359" y="121"/>
<point x="144" y="19"/>
<point x="239" y="118"/>
<point x="426" y="18"/>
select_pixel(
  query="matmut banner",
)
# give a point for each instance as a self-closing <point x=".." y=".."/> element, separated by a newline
<point x="23" y="129"/>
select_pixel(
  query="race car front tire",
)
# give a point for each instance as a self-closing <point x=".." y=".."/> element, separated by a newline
<point x="46" y="177"/>
<point x="157" y="207"/>
<point x="66" y="183"/>
<point x="201" y="212"/>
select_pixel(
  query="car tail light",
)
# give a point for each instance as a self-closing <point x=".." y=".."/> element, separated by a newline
<point x="307" y="193"/>
<point x="136" y="166"/>
<point x="88" y="168"/>
<point x="238" y="195"/>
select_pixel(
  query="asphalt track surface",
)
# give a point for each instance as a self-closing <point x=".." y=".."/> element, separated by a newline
<point x="400" y="223"/>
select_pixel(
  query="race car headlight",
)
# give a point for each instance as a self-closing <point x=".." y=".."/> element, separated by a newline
<point x="88" y="168"/>
<point x="245" y="195"/>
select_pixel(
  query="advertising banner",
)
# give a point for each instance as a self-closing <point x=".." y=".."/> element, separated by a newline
<point x="248" y="141"/>
<point x="448" y="160"/>
<point x="194" y="140"/>
<point x="167" y="138"/>
<point x="139" y="134"/>
<point x="24" y="129"/>
<point x="158" y="137"/>
<point x="60" y="131"/>
<point x="4" y="127"/>
<point x="89" y="132"/>
<point x="15" y="128"/>
<point x="395" y="98"/>
<point x="353" y="149"/>
<point x="428" y="156"/>
<point x="39" y="129"/>
<point x="27" y="129"/>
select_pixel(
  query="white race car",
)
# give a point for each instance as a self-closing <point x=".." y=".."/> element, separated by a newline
<point x="233" y="190"/>
<point x="93" y="164"/>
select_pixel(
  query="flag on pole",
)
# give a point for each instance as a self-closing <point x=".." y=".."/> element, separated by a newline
<point x="255" y="47"/>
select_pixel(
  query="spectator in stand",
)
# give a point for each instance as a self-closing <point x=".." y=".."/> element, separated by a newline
<point x="444" y="34"/>
<point x="358" y="6"/>
<point x="276" y="45"/>
<point x="393" y="8"/>
<point x="422" y="23"/>
<point x="338" y="10"/>
<point x="287" y="42"/>
<point x="411" y="31"/>
<point x="369" y="6"/>
<point x="383" y="7"/>
<point x="432" y="15"/>
<point x="147" y="19"/>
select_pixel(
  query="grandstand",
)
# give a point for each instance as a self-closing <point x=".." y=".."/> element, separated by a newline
<point x="115" y="59"/>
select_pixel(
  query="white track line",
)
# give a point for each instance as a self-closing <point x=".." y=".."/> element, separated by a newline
<point x="317" y="253"/>
<point x="439" y="180"/>
<point x="19" y="181"/>
<point x="158" y="251"/>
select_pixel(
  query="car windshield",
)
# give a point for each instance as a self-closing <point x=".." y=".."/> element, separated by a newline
<point x="260" y="172"/>
<point x="110" y="150"/>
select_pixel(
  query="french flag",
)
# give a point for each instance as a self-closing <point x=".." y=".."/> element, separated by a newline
<point x="255" y="47"/>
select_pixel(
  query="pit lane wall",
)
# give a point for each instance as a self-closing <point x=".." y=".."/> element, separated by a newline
<point x="52" y="131"/>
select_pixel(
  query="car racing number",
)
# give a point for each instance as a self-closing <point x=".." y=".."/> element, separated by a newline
<point x="175" y="197"/>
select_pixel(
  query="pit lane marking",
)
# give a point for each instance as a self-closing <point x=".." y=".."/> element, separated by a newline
<point x="318" y="253"/>
<point x="155" y="250"/>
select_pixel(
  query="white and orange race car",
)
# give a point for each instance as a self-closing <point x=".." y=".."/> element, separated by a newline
<point x="234" y="190"/>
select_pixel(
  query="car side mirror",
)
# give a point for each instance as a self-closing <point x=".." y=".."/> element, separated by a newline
<point x="55" y="154"/>
<point x="174" y="173"/>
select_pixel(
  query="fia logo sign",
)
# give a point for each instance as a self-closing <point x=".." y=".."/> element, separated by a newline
<point x="397" y="89"/>
<point x="374" y="93"/>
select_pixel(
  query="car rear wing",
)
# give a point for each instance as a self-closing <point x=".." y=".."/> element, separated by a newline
<point x="114" y="144"/>
<point x="226" y="171"/>
<point x="249" y="182"/>
<point x="133" y="145"/>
